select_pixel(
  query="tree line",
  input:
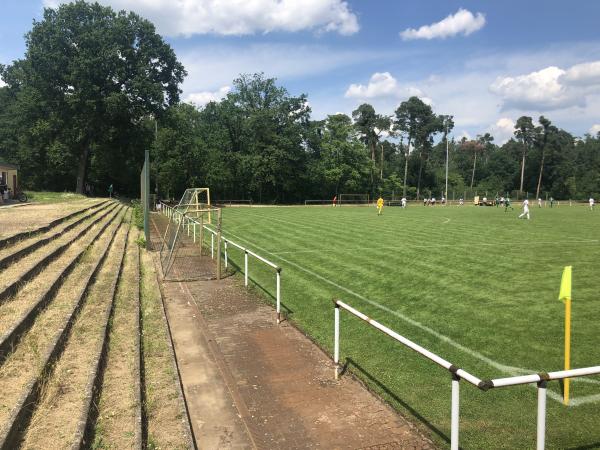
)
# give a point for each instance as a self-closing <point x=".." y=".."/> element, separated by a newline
<point x="96" y="88"/>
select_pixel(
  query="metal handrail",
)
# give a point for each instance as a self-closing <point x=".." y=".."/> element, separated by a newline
<point x="541" y="379"/>
<point x="171" y="211"/>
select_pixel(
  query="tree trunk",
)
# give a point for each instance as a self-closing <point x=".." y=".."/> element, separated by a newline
<point x="372" y="165"/>
<point x="537" y="192"/>
<point x="473" y="174"/>
<point x="381" y="173"/>
<point x="522" y="171"/>
<point x="82" y="170"/>
<point x="406" y="167"/>
<point x="420" y="171"/>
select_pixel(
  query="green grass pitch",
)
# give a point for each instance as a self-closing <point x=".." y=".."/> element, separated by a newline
<point x="475" y="285"/>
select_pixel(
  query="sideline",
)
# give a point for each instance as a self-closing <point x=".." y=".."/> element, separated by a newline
<point x="510" y="370"/>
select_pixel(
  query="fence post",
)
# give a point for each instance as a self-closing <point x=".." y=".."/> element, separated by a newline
<point x="246" y="268"/>
<point x="219" y="245"/>
<point x="336" y="340"/>
<point x="278" y="295"/>
<point x="212" y="246"/>
<point x="541" y="416"/>
<point x="201" y="233"/>
<point x="455" y="414"/>
<point x="194" y="232"/>
<point x="226" y="255"/>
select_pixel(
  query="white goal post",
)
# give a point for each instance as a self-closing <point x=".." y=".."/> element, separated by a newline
<point x="194" y="203"/>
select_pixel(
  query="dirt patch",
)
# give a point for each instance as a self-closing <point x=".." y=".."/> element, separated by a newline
<point x="30" y="217"/>
<point x="280" y="383"/>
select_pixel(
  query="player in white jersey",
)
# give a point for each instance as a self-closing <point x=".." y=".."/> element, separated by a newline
<point x="404" y="202"/>
<point x="525" y="209"/>
<point x="591" y="204"/>
<point x="539" y="202"/>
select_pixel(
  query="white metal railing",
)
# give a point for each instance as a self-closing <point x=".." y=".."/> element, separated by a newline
<point x="541" y="379"/>
<point x="190" y="224"/>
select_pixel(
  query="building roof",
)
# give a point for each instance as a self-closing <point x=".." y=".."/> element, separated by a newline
<point x="8" y="166"/>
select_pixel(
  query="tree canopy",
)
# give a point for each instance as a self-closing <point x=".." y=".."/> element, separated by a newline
<point x="96" y="88"/>
<point x="89" y="79"/>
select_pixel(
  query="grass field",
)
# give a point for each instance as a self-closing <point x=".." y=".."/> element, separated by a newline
<point x="475" y="285"/>
<point x="53" y="197"/>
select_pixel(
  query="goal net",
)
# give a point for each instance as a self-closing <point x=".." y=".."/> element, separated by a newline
<point x="354" y="199"/>
<point x="179" y="256"/>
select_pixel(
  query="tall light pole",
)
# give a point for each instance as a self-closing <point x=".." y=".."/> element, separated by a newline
<point x="447" y="119"/>
<point x="446" y="194"/>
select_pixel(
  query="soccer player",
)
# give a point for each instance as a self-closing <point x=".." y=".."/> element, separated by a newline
<point x="507" y="204"/>
<point x="539" y="202"/>
<point x="334" y="200"/>
<point x="461" y="201"/>
<point x="404" y="202"/>
<point x="432" y="201"/>
<point x="525" y="209"/>
<point x="591" y="204"/>
<point x="379" y="206"/>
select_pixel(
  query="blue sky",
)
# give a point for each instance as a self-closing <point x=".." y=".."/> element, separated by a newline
<point x="487" y="63"/>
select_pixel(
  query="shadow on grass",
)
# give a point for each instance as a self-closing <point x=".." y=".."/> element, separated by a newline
<point x="585" y="447"/>
<point x="253" y="282"/>
<point x="351" y="363"/>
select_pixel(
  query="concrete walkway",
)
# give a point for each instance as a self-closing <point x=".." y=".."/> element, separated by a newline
<point x="250" y="383"/>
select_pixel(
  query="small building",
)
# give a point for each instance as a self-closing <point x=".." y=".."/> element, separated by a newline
<point x="8" y="177"/>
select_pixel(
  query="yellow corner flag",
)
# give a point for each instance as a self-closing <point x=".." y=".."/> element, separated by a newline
<point x="565" y="284"/>
<point x="565" y="295"/>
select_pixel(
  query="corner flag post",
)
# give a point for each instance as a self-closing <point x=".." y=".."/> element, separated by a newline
<point x="565" y="295"/>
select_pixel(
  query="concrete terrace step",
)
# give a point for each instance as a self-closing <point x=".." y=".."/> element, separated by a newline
<point x="25" y="371"/>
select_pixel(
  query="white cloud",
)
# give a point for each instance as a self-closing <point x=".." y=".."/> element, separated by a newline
<point x="537" y="90"/>
<point x="584" y="74"/>
<point x="502" y="130"/>
<point x="383" y="84"/>
<point x="202" y="98"/>
<point x="462" y="22"/>
<point x="550" y="88"/>
<point x="595" y="129"/>
<point x="239" y="17"/>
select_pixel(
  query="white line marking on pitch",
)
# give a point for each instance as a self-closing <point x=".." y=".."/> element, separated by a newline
<point x="501" y="367"/>
<point x="447" y="220"/>
<point x="400" y="247"/>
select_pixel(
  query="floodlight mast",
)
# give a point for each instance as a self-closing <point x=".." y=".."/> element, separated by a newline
<point x="446" y="194"/>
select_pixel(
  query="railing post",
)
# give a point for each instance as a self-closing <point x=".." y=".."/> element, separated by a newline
<point x="246" y="268"/>
<point x="219" y="245"/>
<point x="212" y="246"/>
<point x="226" y="255"/>
<point x="541" y="416"/>
<point x="455" y="413"/>
<point x="278" y="295"/>
<point x="201" y="233"/>
<point x="336" y="341"/>
<point x="194" y="232"/>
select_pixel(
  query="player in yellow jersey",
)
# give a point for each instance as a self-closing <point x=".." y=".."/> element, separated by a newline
<point x="379" y="206"/>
